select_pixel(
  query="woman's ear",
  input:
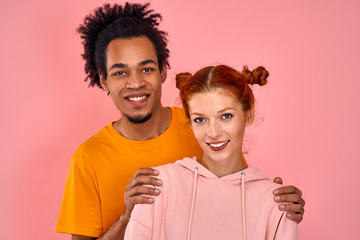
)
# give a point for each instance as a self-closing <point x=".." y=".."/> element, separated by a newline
<point x="250" y="115"/>
<point x="103" y="81"/>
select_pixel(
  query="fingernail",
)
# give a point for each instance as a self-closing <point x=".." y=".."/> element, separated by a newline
<point x="157" y="191"/>
<point x="282" y="207"/>
<point x="156" y="172"/>
<point x="277" y="198"/>
<point x="158" y="181"/>
<point x="276" y="192"/>
<point x="151" y="200"/>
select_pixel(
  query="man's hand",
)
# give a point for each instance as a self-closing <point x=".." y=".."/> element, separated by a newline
<point x="135" y="189"/>
<point x="291" y="201"/>
<point x="133" y="195"/>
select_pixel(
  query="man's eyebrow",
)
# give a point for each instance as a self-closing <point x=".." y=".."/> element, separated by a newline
<point x="149" y="61"/>
<point x="123" y="65"/>
<point x="118" y="65"/>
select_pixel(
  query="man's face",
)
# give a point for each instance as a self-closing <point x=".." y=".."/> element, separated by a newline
<point x="133" y="77"/>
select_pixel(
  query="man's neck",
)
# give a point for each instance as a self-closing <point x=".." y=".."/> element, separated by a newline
<point x="152" y="128"/>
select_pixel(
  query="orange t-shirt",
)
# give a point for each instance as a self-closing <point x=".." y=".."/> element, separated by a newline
<point x="103" y="165"/>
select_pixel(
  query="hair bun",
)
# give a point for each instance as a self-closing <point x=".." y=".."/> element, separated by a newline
<point x="181" y="78"/>
<point x="257" y="76"/>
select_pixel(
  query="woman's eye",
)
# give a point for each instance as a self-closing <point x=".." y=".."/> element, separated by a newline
<point x="199" y="120"/>
<point x="226" y="116"/>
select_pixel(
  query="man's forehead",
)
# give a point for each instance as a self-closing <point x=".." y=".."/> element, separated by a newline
<point x="132" y="51"/>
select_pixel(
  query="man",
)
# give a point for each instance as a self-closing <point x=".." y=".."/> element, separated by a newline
<point x="127" y="56"/>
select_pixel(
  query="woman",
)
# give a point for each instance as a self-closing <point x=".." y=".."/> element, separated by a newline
<point x="217" y="196"/>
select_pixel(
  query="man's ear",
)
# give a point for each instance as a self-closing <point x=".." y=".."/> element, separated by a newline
<point x="163" y="74"/>
<point x="103" y="81"/>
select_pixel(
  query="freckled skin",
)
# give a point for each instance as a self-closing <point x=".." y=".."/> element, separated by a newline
<point x="217" y="118"/>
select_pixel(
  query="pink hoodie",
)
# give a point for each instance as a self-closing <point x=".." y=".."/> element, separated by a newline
<point x="196" y="204"/>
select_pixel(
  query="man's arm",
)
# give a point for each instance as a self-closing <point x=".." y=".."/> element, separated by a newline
<point x="133" y="195"/>
<point x="116" y="231"/>
<point x="81" y="237"/>
<point x="291" y="201"/>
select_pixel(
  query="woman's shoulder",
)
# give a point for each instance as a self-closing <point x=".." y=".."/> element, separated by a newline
<point x="258" y="183"/>
<point x="170" y="170"/>
<point x="176" y="173"/>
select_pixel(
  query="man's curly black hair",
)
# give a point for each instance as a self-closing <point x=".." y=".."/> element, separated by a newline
<point x="110" y="22"/>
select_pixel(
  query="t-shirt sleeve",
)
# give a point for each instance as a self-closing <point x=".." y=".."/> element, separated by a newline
<point x="287" y="229"/>
<point x="80" y="211"/>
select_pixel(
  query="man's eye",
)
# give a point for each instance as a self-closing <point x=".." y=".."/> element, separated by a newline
<point x="227" y="116"/>
<point x="119" y="73"/>
<point x="148" y="69"/>
<point x="199" y="120"/>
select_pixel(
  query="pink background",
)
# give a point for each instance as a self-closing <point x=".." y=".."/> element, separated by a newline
<point x="310" y="131"/>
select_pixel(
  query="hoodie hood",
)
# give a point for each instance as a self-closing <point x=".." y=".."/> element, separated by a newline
<point x="252" y="174"/>
<point x="196" y="204"/>
<point x="240" y="178"/>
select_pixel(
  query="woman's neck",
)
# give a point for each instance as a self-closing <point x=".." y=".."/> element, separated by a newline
<point x="225" y="167"/>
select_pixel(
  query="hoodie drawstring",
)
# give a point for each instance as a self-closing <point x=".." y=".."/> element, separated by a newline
<point x="243" y="203"/>
<point x="193" y="196"/>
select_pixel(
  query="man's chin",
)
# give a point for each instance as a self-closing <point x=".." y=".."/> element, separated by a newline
<point x="138" y="119"/>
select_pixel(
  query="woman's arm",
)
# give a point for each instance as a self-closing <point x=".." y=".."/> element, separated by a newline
<point x="137" y="231"/>
<point x="286" y="229"/>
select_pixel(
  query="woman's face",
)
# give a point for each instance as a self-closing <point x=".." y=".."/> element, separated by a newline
<point x="218" y="122"/>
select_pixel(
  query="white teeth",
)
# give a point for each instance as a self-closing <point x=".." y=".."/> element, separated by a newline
<point x="137" y="98"/>
<point x="219" y="144"/>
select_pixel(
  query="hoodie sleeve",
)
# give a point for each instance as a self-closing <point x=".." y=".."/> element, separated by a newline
<point x="140" y="223"/>
<point x="137" y="231"/>
<point x="146" y="220"/>
<point x="286" y="230"/>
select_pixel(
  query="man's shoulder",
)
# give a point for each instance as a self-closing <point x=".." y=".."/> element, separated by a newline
<point x="96" y="142"/>
<point x="178" y="112"/>
<point x="103" y="135"/>
<point x="179" y="119"/>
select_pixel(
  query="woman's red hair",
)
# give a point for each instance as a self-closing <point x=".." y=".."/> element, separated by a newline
<point x="223" y="78"/>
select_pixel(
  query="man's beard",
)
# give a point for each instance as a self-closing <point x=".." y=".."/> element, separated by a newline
<point x="138" y="119"/>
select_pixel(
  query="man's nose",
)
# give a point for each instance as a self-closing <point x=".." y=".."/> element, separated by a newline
<point x="135" y="81"/>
